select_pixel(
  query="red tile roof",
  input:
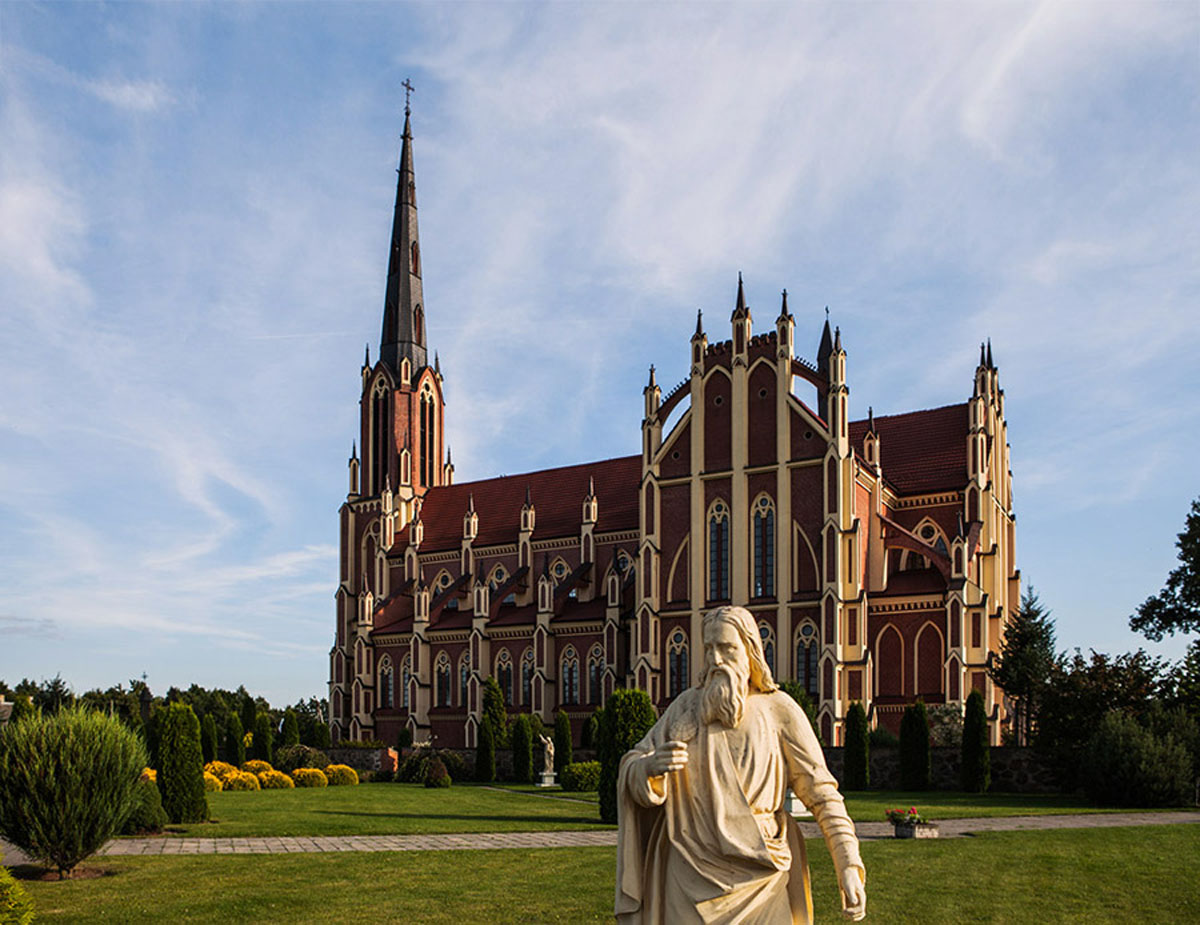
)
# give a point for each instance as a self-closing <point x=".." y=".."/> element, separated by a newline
<point x="923" y="450"/>
<point x="557" y="496"/>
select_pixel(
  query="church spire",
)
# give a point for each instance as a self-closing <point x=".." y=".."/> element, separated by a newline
<point x="404" y="310"/>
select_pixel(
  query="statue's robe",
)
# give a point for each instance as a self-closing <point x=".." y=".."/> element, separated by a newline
<point x="713" y="843"/>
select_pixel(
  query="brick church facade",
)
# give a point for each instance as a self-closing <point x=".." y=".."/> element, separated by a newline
<point x="877" y="555"/>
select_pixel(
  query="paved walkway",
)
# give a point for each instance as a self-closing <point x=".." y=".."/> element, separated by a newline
<point x="169" y="845"/>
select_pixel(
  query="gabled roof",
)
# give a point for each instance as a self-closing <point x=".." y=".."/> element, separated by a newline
<point x="921" y="451"/>
<point x="557" y="496"/>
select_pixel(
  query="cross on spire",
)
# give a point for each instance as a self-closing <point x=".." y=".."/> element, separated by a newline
<point x="408" y="89"/>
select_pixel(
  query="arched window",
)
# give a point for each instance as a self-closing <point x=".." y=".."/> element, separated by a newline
<point x="416" y="259"/>
<point x="504" y="676"/>
<point x="464" y="679"/>
<point x="764" y="548"/>
<point x="595" y="675"/>
<point x="527" y="677"/>
<point x="806" y="658"/>
<point x="379" y="435"/>
<point x="570" y="676"/>
<point x="677" y="664"/>
<point x="442" y="678"/>
<point x="387" y="684"/>
<point x="497" y="578"/>
<point x="405" y="677"/>
<point x="768" y="643"/>
<point x="718" y="553"/>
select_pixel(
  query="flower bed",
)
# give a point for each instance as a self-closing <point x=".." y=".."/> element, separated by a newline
<point x="910" y="824"/>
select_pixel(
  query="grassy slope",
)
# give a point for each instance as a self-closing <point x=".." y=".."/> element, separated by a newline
<point x="1104" y="875"/>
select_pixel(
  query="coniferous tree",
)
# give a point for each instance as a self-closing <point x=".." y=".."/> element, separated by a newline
<point x="522" y="750"/>
<point x="321" y="736"/>
<point x="181" y="777"/>
<point x="235" y="741"/>
<point x="562" y="742"/>
<point x="22" y="708"/>
<point x="588" y="739"/>
<point x="914" y="748"/>
<point x="1176" y="608"/>
<point x="263" y="743"/>
<point x="976" y="767"/>
<point x="628" y="716"/>
<point x="290" y="735"/>
<point x="208" y="738"/>
<point x="249" y="713"/>
<point x="1024" y="663"/>
<point x="857" y="753"/>
<point x="485" y="754"/>
<point x="494" y="712"/>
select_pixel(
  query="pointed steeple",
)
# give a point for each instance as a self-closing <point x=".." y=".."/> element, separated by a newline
<point x="651" y="384"/>
<point x="870" y="419"/>
<point x="354" y="449"/>
<point x="982" y="356"/>
<point x="837" y="340"/>
<point x="826" y="347"/>
<point x="404" y="310"/>
<point x="367" y="357"/>
<point x="990" y="364"/>
<point x="699" y="322"/>
<point x="739" y="310"/>
<point x="784" y="314"/>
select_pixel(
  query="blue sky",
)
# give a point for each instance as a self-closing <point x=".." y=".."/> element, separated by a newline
<point x="195" y="202"/>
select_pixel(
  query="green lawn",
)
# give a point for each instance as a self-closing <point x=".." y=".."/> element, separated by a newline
<point x="387" y="809"/>
<point x="1095" y="875"/>
<point x="869" y="805"/>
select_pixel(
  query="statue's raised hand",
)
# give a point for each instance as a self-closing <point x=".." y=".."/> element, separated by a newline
<point x="670" y="756"/>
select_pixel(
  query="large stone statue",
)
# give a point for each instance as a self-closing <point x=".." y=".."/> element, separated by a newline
<point x="703" y="835"/>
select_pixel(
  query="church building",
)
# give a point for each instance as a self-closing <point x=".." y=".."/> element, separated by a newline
<point x="877" y="555"/>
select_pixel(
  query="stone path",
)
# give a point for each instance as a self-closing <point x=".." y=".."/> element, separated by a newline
<point x="168" y="845"/>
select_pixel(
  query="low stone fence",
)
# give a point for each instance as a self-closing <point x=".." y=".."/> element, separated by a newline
<point x="1014" y="770"/>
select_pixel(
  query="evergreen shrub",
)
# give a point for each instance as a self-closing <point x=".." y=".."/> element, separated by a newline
<point x="340" y="775"/>
<point x="235" y="745"/>
<point x="495" y="712"/>
<point x="256" y="767"/>
<point x="588" y="739"/>
<point x="208" y="738"/>
<point x="976" y="766"/>
<point x="882" y="737"/>
<point x="182" y="779"/>
<point x="404" y="738"/>
<point x="1127" y="765"/>
<point x="309" y="777"/>
<point x="628" y="716"/>
<point x="857" y="754"/>
<point x="562" y="741"/>
<point x="249" y="713"/>
<point x="915" y="759"/>
<point x="522" y="750"/>
<point x="290" y="733"/>
<point x="241" y="780"/>
<point x="16" y="906"/>
<point x="436" y="774"/>
<point x="320" y="737"/>
<point x="23" y="708"/>
<point x="219" y="769"/>
<point x="275" y="780"/>
<point x="264" y="738"/>
<point x="292" y="757"/>
<point x="147" y="816"/>
<point x="485" y="754"/>
<point x="581" y="776"/>
<point x="67" y="783"/>
<point x="212" y="783"/>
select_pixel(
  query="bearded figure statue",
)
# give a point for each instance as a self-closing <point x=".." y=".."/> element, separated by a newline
<point x="703" y="836"/>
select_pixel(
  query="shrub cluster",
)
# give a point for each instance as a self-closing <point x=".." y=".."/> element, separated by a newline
<point x="67" y="783"/>
<point x="1127" y="765"/>
<point x="292" y="757"/>
<point x="581" y="776"/>
<point x="309" y="777"/>
<point x="340" y="775"/>
<point x="147" y="815"/>
<point x="16" y="907"/>
<point x="414" y="768"/>
<point x="241" y="780"/>
<point x="212" y="783"/>
<point x="275" y="780"/>
<point x="257" y="766"/>
<point x="219" y="769"/>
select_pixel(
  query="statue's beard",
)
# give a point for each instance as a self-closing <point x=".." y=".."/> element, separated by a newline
<point x="725" y="691"/>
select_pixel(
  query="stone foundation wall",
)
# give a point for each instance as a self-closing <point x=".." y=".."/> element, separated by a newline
<point x="1014" y="770"/>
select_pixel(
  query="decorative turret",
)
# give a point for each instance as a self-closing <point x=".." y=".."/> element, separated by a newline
<point x="785" y="331"/>
<point x="741" y="324"/>
<point x="354" y="467"/>
<point x="699" y="344"/>
<point x="403" y="334"/>
<point x="871" y="441"/>
<point x="448" y="469"/>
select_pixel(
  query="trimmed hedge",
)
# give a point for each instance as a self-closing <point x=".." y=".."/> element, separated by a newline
<point x="16" y="906"/>
<point x="67" y="783"/>
<point x="309" y="777"/>
<point x="241" y="780"/>
<point x="581" y="776"/>
<point x="340" y="775"/>
<point x="147" y="815"/>
<point x="275" y="780"/>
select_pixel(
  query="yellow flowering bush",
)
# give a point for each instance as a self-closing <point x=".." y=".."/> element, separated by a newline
<point x="149" y="774"/>
<point x="341" y="774"/>
<point x="220" y="769"/>
<point x="212" y="783"/>
<point x="310" y="777"/>
<point x="275" y="780"/>
<point x="241" y="780"/>
<point x="254" y="766"/>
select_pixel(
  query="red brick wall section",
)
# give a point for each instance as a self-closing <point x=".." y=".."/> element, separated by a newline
<point x="761" y="401"/>
<point x="717" y="442"/>
<point x="807" y="442"/>
<point x="676" y="459"/>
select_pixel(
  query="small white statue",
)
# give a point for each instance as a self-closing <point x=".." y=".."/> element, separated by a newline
<point x="718" y="763"/>
<point x="547" y="754"/>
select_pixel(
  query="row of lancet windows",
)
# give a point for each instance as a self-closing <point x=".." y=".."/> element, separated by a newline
<point x="763" y="537"/>
<point x="679" y="678"/>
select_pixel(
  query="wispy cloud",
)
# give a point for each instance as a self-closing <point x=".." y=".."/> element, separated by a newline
<point x="134" y="95"/>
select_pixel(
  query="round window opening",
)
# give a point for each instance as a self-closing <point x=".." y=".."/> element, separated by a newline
<point x="927" y="533"/>
<point x="718" y="400"/>
<point x="762" y="393"/>
<point x="808" y="435"/>
<point x="806" y="630"/>
<point x="675" y="455"/>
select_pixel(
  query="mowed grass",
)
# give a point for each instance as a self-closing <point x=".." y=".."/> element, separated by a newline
<point x="1137" y="874"/>
<point x="869" y="805"/>
<point x="388" y="809"/>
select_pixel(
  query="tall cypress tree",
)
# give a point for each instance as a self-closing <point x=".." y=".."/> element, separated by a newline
<point x="628" y="716"/>
<point x="976" y="768"/>
<point x="208" y="738"/>
<point x="263" y="745"/>
<point x="857" y="753"/>
<point x="914" y="748"/>
<point x="182" y="774"/>
<point x="562" y="741"/>
<point x="235" y="741"/>
<point x="522" y="750"/>
<point x="290" y="734"/>
<point x="485" y="754"/>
